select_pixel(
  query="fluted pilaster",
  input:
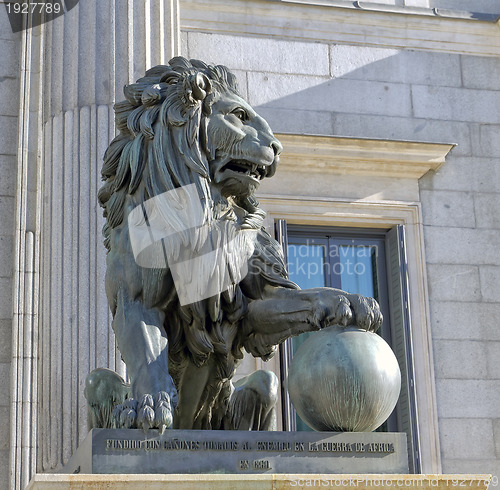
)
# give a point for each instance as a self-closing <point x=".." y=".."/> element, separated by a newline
<point x="86" y="56"/>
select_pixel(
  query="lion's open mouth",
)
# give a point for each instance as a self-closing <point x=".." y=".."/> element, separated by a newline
<point x="243" y="167"/>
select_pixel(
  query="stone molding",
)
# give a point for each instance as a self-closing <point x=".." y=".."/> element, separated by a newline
<point x="360" y="156"/>
<point x="355" y="23"/>
<point x="255" y="482"/>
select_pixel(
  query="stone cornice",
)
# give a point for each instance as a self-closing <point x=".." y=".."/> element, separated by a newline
<point x="356" y="156"/>
<point x="337" y="21"/>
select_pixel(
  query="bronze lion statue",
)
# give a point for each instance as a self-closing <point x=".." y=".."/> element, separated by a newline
<point x="192" y="277"/>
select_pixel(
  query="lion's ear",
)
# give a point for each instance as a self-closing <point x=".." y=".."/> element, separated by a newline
<point x="201" y="86"/>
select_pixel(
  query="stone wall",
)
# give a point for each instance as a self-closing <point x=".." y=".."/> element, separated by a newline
<point x="424" y="96"/>
<point x="9" y="96"/>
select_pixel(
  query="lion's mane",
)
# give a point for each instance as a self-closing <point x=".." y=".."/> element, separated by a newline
<point x="162" y="145"/>
<point x="159" y="141"/>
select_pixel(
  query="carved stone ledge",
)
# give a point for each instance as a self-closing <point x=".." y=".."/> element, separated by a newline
<point x="357" y="156"/>
<point x="355" y="23"/>
<point x="256" y="482"/>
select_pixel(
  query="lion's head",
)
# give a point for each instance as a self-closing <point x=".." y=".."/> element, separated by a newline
<point x="182" y="124"/>
<point x="242" y="147"/>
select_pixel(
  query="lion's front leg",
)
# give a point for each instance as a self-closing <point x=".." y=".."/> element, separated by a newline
<point x="143" y="346"/>
<point x="285" y="313"/>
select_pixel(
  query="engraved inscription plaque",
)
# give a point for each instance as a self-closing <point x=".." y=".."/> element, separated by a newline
<point x="199" y="451"/>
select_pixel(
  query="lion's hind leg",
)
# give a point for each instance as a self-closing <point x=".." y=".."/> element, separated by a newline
<point x="104" y="389"/>
<point x="253" y="403"/>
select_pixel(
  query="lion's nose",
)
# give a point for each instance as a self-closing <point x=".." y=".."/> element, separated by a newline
<point x="277" y="148"/>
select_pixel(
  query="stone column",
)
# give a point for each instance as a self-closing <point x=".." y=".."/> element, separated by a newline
<point x="86" y="56"/>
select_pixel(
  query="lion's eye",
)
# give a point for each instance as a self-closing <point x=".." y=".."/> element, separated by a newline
<point x="240" y="114"/>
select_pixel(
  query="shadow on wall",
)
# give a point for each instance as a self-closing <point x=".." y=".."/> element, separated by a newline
<point x="483" y="6"/>
<point x="374" y="93"/>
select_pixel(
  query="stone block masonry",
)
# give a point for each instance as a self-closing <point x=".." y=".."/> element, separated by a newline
<point x="425" y="96"/>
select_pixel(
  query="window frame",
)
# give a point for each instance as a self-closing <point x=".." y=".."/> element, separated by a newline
<point x="337" y="236"/>
<point x="332" y="212"/>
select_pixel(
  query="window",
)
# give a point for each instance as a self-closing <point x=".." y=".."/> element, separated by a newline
<point x="364" y="261"/>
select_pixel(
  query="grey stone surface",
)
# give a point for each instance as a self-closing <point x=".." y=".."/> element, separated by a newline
<point x="7" y="212"/>
<point x="6" y="255"/>
<point x="490" y="282"/>
<point x="464" y="174"/>
<point x="465" y="320"/>
<point x="453" y="282"/>
<point x="455" y="104"/>
<point x="492" y="356"/>
<point x="484" y="204"/>
<point x="10" y="58"/>
<point x="4" y="469"/>
<point x="335" y="95"/>
<point x="260" y="54"/>
<point x="8" y="86"/>
<point x="445" y="245"/>
<point x="263" y="89"/>
<point x="485" y="140"/>
<point x="481" y="72"/>
<point x="5" y="370"/>
<point x="496" y="432"/>
<point x="488" y="466"/>
<point x="239" y="452"/>
<point x="460" y="359"/>
<point x="478" y="434"/>
<point x="4" y="427"/>
<point x="8" y="180"/>
<point x="6" y="344"/>
<point x="5" y="28"/>
<point x="393" y="65"/>
<point x="297" y="121"/>
<point x="405" y="128"/>
<point x="241" y="76"/>
<point x="8" y="130"/>
<point x="184" y="45"/>
<point x="5" y="298"/>
<point x="451" y="209"/>
<point x="468" y="398"/>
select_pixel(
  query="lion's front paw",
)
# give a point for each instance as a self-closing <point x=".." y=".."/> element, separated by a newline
<point x="147" y="413"/>
<point x="338" y="310"/>
<point x="367" y="314"/>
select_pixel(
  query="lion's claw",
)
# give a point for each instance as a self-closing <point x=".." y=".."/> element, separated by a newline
<point x="367" y="314"/>
<point x="341" y="314"/>
<point x="148" y="413"/>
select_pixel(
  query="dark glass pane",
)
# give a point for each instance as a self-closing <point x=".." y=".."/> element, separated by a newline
<point x="342" y="260"/>
<point x="357" y="269"/>
<point x="306" y="265"/>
